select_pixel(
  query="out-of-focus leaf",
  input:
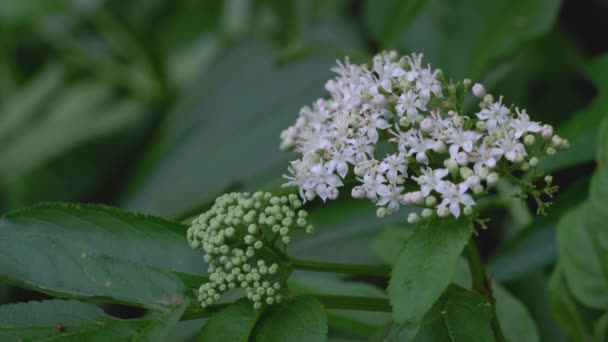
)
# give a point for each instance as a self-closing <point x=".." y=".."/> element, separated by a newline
<point x="357" y="322"/>
<point x="300" y="319"/>
<point x="600" y="330"/>
<point x="27" y="11"/>
<point x="390" y="241"/>
<point x="343" y="232"/>
<point x="84" y="251"/>
<point x="234" y="323"/>
<point x="533" y="247"/>
<point x="77" y="321"/>
<point x="186" y="62"/>
<point x="386" y="19"/>
<point x="581" y="129"/>
<point x="226" y="131"/>
<point x="513" y="317"/>
<point x="81" y="113"/>
<point x="425" y="268"/>
<point x="565" y="309"/>
<point x="463" y="37"/>
<point x="458" y="315"/>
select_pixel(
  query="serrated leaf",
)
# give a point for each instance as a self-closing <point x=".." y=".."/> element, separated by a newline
<point x="300" y="319"/>
<point x="515" y="321"/>
<point x="78" y="321"/>
<point x="234" y="323"/>
<point x="459" y="315"/>
<point x="86" y="251"/>
<point x="425" y="268"/>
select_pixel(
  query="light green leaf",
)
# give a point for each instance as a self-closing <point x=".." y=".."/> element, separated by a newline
<point x="459" y="315"/>
<point x="301" y="319"/>
<point x="564" y="307"/>
<point x="463" y="37"/>
<point x="85" y="251"/>
<point x="260" y="98"/>
<point x="77" y="321"/>
<point x="234" y="323"/>
<point x="425" y="268"/>
<point x="515" y="321"/>
<point x="386" y="19"/>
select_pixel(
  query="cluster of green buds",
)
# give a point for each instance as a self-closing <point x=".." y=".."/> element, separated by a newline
<point x="244" y="237"/>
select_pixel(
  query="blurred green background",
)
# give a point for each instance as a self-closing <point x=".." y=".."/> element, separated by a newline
<point x="160" y="106"/>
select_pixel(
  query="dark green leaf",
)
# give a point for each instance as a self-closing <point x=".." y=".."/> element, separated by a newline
<point x="513" y="317"/>
<point x="459" y="315"/>
<point x="301" y="319"/>
<point x="425" y="268"/>
<point x="600" y="329"/>
<point x="565" y="309"/>
<point x="78" y="321"/>
<point x="86" y="251"/>
<point x="463" y="37"/>
<point x="386" y="19"/>
<point x="234" y="323"/>
<point x="260" y="98"/>
<point x="390" y="241"/>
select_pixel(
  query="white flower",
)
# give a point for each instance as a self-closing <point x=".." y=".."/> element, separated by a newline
<point x="509" y="147"/>
<point x="340" y="159"/>
<point x="427" y="83"/>
<point x="454" y="195"/>
<point x="485" y="155"/>
<point x="391" y="195"/>
<point x="522" y="124"/>
<point x="371" y="182"/>
<point x="371" y="124"/>
<point x="410" y="104"/>
<point x="430" y="179"/>
<point x="460" y="139"/>
<point x="496" y="114"/>
<point x="392" y="166"/>
<point x="418" y="146"/>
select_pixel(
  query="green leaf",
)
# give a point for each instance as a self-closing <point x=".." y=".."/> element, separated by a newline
<point x="386" y="19"/>
<point x="581" y="129"/>
<point x="515" y="321"/>
<point x="459" y="315"/>
<point x="463" y="37"/>
<point x="600" y="329"/>
<point x="564" y="307"/>
<point x="583" y="258"/>
<point x="425" y="268"/>
<point x="86" y="251"/>
<point x="234" y="323"/>
<point x="357" y="322"/>
<point x="301" y="319"/>
<point x="389" y="242"/>
<point x="78" y="321"/>
<point x="260" y="98"/>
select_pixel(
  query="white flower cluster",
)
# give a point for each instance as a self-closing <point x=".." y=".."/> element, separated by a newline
<point x="240" y="235"/>
<point x="398" y="132"/>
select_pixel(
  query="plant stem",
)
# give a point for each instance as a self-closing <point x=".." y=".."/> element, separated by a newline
<point x="354" y="303"/>
<point x="382" y="271"/>
<point x="329" y="301"/>
<point x="482" y="284"/>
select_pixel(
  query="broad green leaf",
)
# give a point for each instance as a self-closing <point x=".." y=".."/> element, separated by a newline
<point x="386" y="19"/>
<point x="77" y="321"/>
<point x="515" y="321"/>
<point x="425" y="268"/>
<point x="581" y="259"/>
<point x="463" y="37"/>
<point x="600" y="329"/>
<point x="564" y="307"/>
<point x="458" y="315"/>
<point x="86" y="251"/>
<point x="357" y="322"/>
<point x="581" y="129"/>
<point x="300" y="319"/>
<point x="200" y="149"/>
<point x="344" y="230"/>
<point x="234" y="323"/>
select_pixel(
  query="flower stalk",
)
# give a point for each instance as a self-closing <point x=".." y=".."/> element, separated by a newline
<point x="381" y="271"/>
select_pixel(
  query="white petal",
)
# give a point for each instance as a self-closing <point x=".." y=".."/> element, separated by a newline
<point x="455" y="209"/>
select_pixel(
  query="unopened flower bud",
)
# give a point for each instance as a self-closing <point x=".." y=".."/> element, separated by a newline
<point x="529" y="140"/>
<point x="381" y="212"/>
<point x="546" y="132"/>
<point x="462" y="158"/>
<point x="550" y="151"/>
<point x="479" y="91"/>
<point x="533" y="161"/>
<point x="548" y="179"/>
<point x="431" y="201"/>
<point x="483" y="172"/>
<point x="465" y="172"/>
<point x="478" y="190"/>
<point x="416" y="197"/>
<point x="358" y="192"/>
<point x="404" y="122"/>
<point x="525" y="166"/>
<point x="556" y="141"/>
<point x="473" y="181"/>
<point x="468" y="210"/>
<point x="519" y="157"/>
<point x="488" y="98"/>
<point x="426" y="125"/>
<point x="451" y="165"/>
<point x="439" y="147"/>
<point x="427" y="213"/>
<point x="443" y="211"/>
<point x="466" y="82"/>
<point x="413" y="218"/>
<point x="481" y="125"/>
<point x="492" y="179"/>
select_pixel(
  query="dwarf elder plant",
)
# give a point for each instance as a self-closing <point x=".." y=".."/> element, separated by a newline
<point x="395" y="132"/>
